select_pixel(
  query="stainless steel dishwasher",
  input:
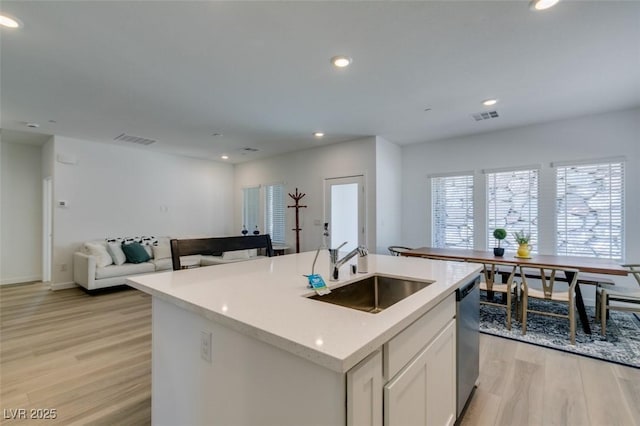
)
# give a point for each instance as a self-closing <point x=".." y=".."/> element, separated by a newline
<point x="467" y="341"/>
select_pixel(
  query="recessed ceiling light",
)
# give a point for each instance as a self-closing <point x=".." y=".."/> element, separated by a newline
<point x="33" y="125"/>
<point x="216" y="135"/>
<point x="9" y="21"/>
<point x="341" y="61"/>
<point x="489" y="102"/>
<point x="543" y="4"/>
<point x="318" y="134"/>
<point x="224" y="157"/>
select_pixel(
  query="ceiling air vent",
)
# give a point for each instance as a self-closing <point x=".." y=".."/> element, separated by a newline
<point x="134" y="139"/>
<point x="485" y="115"/>
<point x="249" y="150"/>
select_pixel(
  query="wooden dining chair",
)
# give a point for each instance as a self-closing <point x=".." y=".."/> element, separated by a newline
<point x="398" y="250"/>
<point x="605" y="294"/>
<point x="506" y="287"/>
<point x="547" y="276"/>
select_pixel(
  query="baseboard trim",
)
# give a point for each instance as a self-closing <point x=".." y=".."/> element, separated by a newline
<point x="18" y="280"/>
<point x="63" y="286"/>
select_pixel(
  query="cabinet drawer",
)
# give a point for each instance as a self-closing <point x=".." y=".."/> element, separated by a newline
<point x="403" y="347"/>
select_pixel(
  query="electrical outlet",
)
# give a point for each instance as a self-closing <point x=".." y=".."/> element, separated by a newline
<point x="205" y="345"/>
<point x="63" y="267"/>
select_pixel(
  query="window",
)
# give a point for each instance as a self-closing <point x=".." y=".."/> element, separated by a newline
<point x="589" y="210"/>
<point x="452" y="211"/>
<point x="512" y="204"/>
<point x="250" y="207"/>
<point x="274" y="213"/>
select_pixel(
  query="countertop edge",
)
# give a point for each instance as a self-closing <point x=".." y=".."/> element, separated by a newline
<point x="303" y="351"/>
<point x="248" y="330"/>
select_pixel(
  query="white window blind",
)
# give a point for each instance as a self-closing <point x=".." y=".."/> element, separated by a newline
<point x="250" y="207"/>
<point x="512" y="204"/>
<point x="452" y="211"/>
<point x="589" y="210"/>
<point x="274" y="217"/>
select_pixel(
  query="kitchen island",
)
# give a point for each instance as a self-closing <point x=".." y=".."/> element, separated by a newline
<point x="243" y="344"/>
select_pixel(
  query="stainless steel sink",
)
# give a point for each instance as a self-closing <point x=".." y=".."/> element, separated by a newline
<point x="373" y="294"/>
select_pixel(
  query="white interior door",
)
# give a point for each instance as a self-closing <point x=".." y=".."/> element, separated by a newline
<point x="345" y="211"/>
<point x="47" y="228"/>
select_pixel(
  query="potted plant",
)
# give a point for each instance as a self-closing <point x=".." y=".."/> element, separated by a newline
<point x="523" y="244"/>
<point x="499" y="234"/>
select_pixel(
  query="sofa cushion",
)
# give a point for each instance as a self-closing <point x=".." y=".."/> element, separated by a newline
<point x="135" y="253"/>
<point x="146" y="242"/>
<point x="124" y="270"/>
<point x="167" y="264"/>
<point x="163" y="264"/>
<point x="162" y="251"/>
<point x="115" y="250"/>
<point x="236" y="255"/>
<point x="99" y="251"/>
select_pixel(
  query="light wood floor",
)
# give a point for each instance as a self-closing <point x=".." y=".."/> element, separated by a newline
<point x="89" y="357"/>
<point x="523" y="384"/>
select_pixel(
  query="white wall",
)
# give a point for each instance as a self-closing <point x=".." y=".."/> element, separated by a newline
<point x="388" y="194"/>
<point x="121" y="191"/>
<point x="21" y="219"/>
<point x="590" y="137"/>
<point x="48" y="158"/>
<point x="307" y="170"/>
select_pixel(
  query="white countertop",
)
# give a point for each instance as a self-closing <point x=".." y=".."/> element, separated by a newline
<point x="265" y="299"/>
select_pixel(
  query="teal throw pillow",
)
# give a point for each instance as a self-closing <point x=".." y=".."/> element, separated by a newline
<point x="135" y="253"/>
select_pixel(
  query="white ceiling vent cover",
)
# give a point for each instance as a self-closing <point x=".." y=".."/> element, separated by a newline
<point x="485" y="115"/>
<point x="134" y="139"/>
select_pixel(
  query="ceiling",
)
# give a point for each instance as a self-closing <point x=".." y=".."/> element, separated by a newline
<point x="258" y="73"/>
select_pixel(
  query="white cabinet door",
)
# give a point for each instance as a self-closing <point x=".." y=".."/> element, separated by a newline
<point x="424" y="392"/>
<point x="364" y="392"/>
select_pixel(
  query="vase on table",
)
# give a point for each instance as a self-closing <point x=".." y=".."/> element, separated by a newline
<point x="524" y="250"/>
<point x="244" y="231"/>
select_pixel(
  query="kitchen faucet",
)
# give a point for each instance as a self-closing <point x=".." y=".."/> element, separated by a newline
<point x="336" y="264"/>
<point x="333" y="255"/>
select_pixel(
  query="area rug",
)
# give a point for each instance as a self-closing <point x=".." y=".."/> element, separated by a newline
<point x="621" y="345"/>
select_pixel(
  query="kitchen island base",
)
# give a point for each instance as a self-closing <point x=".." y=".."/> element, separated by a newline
<point x="248" y="346"/>
<point x="247" y="382"/>
<point x="250" y="382"/>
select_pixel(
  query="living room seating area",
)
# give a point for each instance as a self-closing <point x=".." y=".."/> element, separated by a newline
<point x="106" y="263"/>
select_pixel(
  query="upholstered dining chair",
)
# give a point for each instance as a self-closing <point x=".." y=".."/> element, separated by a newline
<point x="547" y="275"/>
<point x="397" y="250"/>
<point x="507" y="288"/>
<point x="606" y="294"/>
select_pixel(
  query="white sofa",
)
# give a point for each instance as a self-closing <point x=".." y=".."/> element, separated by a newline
<point x="93" y="270"/>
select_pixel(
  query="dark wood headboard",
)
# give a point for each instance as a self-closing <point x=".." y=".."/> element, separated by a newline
<point x="217" y="245"/>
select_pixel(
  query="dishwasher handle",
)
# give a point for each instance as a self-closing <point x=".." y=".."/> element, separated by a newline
<point x="467" y="288"/>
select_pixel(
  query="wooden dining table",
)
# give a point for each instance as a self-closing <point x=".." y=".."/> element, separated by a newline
<point x="582" y="264"/>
